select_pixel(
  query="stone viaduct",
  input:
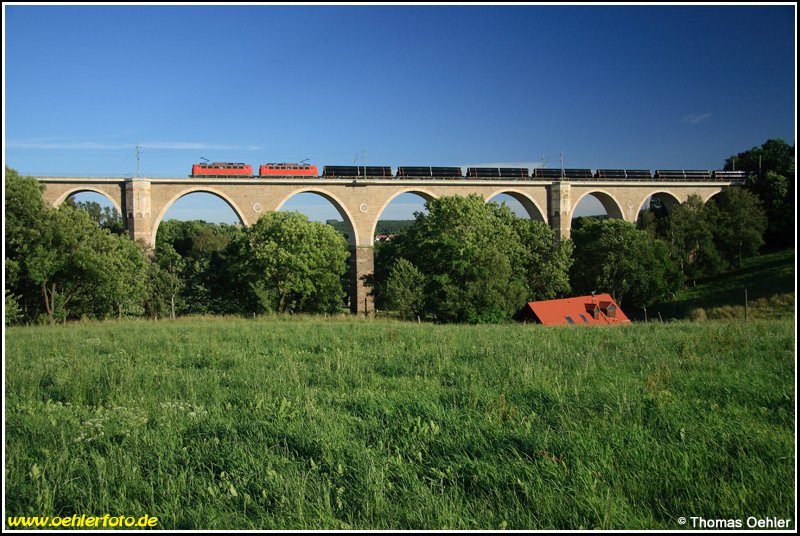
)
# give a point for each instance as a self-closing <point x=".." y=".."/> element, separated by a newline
<point x="143" y="202"/>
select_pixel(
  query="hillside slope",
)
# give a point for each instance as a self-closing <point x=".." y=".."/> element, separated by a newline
<point x="769" y="280"/>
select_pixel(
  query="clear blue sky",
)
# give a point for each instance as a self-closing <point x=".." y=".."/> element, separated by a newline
<point x="612" y="86"/>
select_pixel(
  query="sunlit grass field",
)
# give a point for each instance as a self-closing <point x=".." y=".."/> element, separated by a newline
<point x="368" y="424"/>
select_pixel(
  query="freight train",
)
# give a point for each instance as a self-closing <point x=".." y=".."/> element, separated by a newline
<point x="240" y="170"/>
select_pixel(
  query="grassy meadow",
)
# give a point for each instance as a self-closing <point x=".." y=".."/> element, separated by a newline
<point x="368" y="424"/>
<point x="770" y="283"/>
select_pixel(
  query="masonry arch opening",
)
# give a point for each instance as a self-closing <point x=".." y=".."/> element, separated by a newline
<point x="713" y="198"/>
<point x="398" y="213"/>
<point x="321" y="207"/>
<point x="660" y="203"/>
<point x="101" y="208"/>
<point x="196" y="209"/>
<point x="655" y="210"/>
<point x="520" y="204"/>
<point x="596" y="204"/>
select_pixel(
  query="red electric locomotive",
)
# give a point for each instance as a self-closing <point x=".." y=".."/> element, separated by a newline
<point x="267" y="170"/>
<point x="222" y="169"/>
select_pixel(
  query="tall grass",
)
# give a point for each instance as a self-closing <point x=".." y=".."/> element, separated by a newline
<point x="314" y="424"/>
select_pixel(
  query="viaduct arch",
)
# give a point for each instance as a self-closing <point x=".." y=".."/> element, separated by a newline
<point x="421" y="192"/>
<point x="352" y="232"/>
<point x="143" y="202"/>
<point x="109" y="193"/>
<point x="192" y="190"/>
<point x="534" y="211"/>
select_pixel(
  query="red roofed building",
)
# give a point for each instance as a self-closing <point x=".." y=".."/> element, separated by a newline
<point x="600" y="309"/>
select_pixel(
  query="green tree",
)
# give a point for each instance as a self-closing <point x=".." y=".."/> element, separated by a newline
<point x="12" y="311"/>
<point x="480" y="263"/>
<point x="23" y="212"/>
<point x="171" y="265"/>
<point x="773" y="155"/>
<point x="738" y="223"/>
<point x="546" y="261"/>
<point x="613" y="256"/>
<point x="291" y="264"/>
<point x="206" y="286"/>
<point x="60" y="263"/>
<point x="471" y="257"/>
<point x="770" y="170"/>
<point x="81" y="269"/>
<point x="691" y="240"/>
<point x="654" y="219"/>
<point x="106" y="217"/>
<point x="405" y="289"/>
<point x="648" y="222"/>
<point x="125" y="283"/>
<point x="164" y="282"/>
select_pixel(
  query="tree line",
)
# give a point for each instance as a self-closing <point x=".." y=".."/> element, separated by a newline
<point x="463" y="261"/>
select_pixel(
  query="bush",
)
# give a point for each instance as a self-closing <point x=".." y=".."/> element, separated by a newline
<point x="698" y="315"/>
<point x="13" y="310"/>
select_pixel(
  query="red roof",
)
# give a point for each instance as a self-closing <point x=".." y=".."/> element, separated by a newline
<point x="578" y="309"/>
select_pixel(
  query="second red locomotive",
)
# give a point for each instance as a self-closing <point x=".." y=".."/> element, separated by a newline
<point x="287" y="169"/>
